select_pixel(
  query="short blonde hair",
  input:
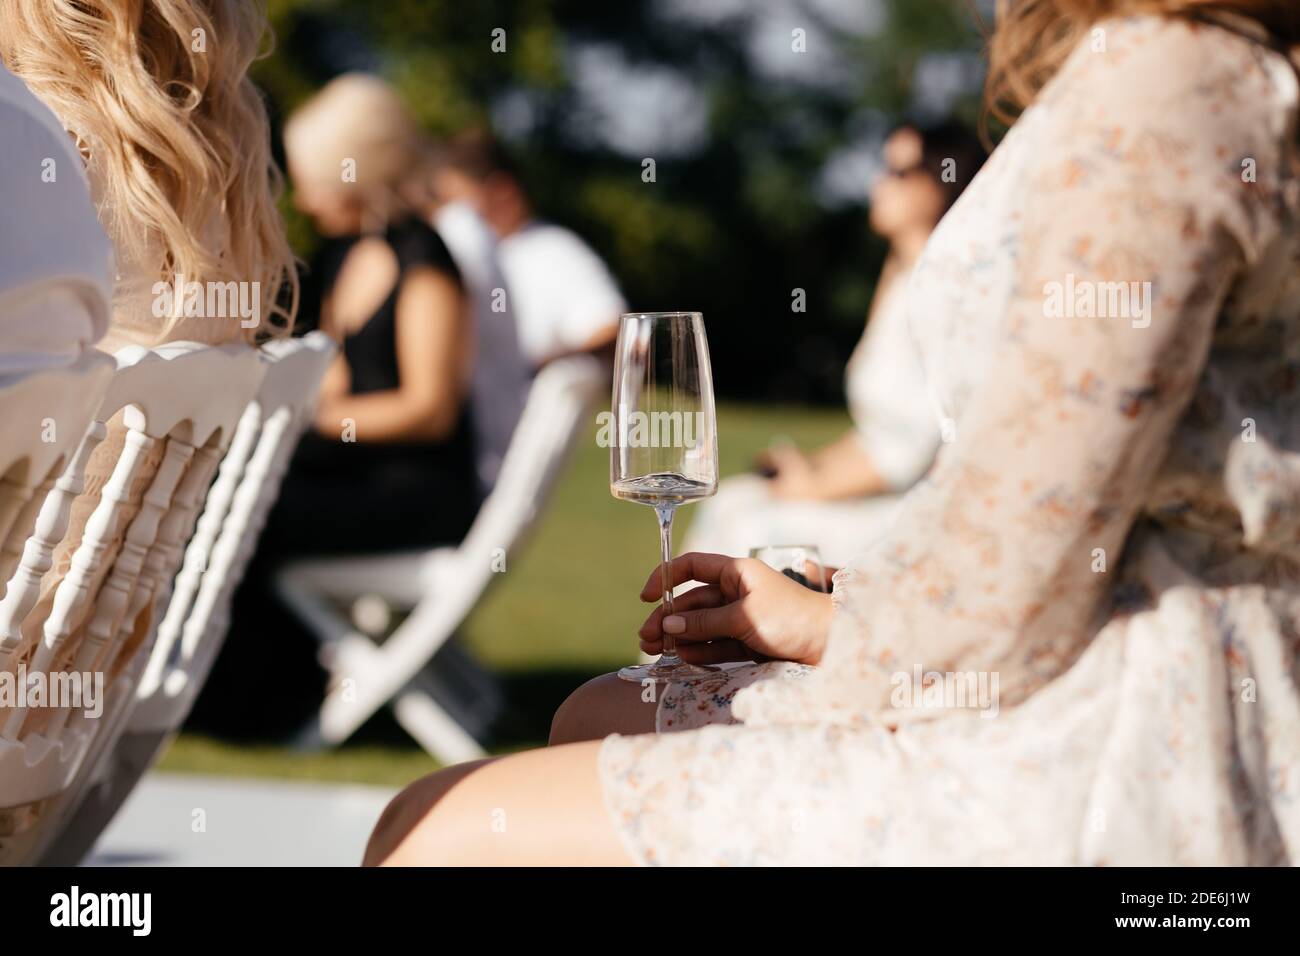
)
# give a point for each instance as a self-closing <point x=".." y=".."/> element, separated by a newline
<point x="158" y="96"/>
<point x="357" y="122"/>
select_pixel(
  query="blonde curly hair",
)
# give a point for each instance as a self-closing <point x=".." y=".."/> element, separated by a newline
<point x="157" y="94"/>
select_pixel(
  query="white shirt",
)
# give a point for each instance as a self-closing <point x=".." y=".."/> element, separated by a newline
<point x="502" y="375"/>
<point x="55" y="260"/>
<point x="561" y="292"/>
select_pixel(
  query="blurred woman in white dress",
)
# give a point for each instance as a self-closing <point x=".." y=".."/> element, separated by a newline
<point x="841" y="497"/>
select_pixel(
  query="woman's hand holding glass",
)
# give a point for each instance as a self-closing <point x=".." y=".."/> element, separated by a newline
<point x="745" y="611"/>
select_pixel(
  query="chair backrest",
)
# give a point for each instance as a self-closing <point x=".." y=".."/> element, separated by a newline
<point x="197" y="615"/>
<point x="188" y="397"/>
<point x="561" y="394"/>
<point x="45" y="416"/>
<point x="191" y="634"/>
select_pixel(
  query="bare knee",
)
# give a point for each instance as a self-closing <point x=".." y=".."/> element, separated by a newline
<point x="602" y="706"/>
<point x="406" y="810"/>
<point x="389" y="830"/>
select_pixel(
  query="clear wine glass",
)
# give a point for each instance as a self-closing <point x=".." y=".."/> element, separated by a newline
<point x="664" y="446"/>
<point x="799" y="562"/>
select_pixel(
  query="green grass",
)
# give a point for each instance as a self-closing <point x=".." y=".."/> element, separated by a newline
<point x="386" y="765"/>
<point x="566" y="607"/>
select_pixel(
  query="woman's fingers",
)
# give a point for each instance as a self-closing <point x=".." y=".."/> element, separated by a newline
<point x="702" y="624"/>
<point x="693" y="566"/>
<point x="706" y="624"/>
<point x="686" y="601"/>
<point x="712" y="652"/>
<point x="715" y="652"/>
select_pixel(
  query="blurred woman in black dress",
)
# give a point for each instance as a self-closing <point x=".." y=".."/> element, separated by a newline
<point x="388" y="464"/>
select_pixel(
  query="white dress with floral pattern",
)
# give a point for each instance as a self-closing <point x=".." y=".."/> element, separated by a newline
<point x="1110" y="543"/>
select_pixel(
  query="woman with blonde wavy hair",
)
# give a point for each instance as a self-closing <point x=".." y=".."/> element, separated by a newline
<point x="1078" y="643"/>
<point x="155" y="94"/>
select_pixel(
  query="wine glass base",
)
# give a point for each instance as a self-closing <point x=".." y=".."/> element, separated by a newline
<point x="676" y="672"/>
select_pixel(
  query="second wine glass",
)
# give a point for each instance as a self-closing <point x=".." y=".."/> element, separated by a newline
<point x="664" y="446"/>
<point x="801" y="563"/>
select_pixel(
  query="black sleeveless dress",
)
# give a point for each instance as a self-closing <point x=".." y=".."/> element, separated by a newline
<point x="353" y="497"/>
<point x="337" y="498"/>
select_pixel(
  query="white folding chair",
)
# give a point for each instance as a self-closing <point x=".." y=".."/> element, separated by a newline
<point x="189" y="397"/>
<point x="440" y="586"/>
<point x="195" y="624"/>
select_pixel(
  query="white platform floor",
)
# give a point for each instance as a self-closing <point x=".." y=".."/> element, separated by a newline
<point x="183" y="820"/>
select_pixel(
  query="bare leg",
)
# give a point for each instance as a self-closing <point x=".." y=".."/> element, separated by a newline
<point x="537" y="808"/>
<point x="602" y="706"/>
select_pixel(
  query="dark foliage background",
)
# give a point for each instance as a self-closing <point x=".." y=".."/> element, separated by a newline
<point x="762" y="152"/>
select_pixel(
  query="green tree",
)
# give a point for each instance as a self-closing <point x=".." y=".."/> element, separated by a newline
<point x="731" y="227"/>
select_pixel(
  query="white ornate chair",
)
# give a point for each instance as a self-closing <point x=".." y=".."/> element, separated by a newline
<point x="188" y="397"/>
<point x="440" y="587"/>
<point x="45" y="418"/>
<point x="194" y="626"/>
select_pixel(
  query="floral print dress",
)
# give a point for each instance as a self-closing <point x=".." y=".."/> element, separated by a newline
<point x="1080" y="642"/>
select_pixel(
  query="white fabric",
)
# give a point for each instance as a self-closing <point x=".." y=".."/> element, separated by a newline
<point x="55" y="260"/>
<point x="895" y="424"/>
<point x="888" y="396"/>
<point x="561" y="292"/>
<point x="502" y="374"/>
<point x="744" y="514"/>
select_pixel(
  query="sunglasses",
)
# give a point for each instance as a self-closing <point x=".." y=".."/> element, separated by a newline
<point x="903" y="172"/>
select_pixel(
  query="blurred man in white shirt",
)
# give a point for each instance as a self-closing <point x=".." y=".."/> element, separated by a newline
<point x="562" y="295"/>
<point x="502" y="374"/>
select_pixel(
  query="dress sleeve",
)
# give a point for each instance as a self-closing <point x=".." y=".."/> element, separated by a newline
<point x="1135" y="177"/>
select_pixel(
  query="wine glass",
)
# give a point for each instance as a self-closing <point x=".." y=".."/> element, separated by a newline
<point x="664" y="446"/>
<point x="799" y="562"/>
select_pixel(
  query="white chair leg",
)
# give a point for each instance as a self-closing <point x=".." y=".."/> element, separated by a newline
<point x="432" y="728"/>
<point x="363" y="676"/>
<point x="356" y="689"/>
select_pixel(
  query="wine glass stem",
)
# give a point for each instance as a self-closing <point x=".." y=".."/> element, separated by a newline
<point x="665" y="514"/>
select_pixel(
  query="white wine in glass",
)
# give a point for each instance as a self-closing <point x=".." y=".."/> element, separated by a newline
<point x="664" y="449"/>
